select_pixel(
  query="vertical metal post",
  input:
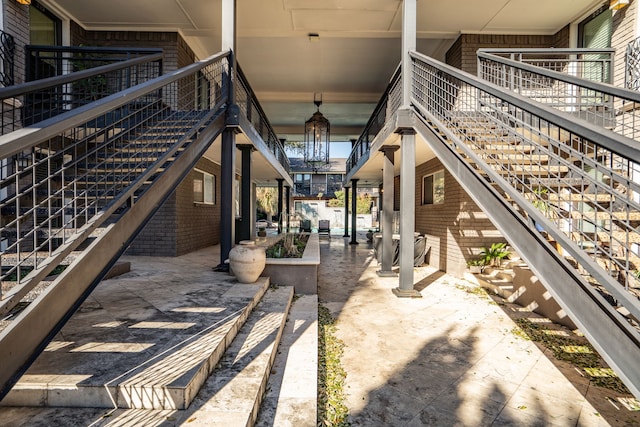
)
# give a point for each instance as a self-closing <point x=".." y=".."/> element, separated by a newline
<point x="287" y="207"/>
<point x="280" y="203"/>
<point x="227" y="196"/>
<point x="354" y="216"/>
<point x="246" y="190"/>
<point x="407" y="214"/>
<point x="346" y="212"/>
<point x="386" y="269"/>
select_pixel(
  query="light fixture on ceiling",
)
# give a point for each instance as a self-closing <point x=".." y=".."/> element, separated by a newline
<point x="27" y="2"/>
<point x="314" y="37"/>
<point x="316" y="137"/>
<point x="618" y="4"/>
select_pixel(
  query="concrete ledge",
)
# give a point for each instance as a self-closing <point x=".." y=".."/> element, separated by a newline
<point x="301" y="273"/>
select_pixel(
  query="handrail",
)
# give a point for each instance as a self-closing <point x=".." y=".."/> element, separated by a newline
<point x="25" y="138"/>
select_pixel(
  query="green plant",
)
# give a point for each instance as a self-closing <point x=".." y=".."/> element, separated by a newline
<point x="495" y="253"/>
<point x="477" y="262"/>
<point x="332" y="409"/>
<point x="290" y="246"/>
<point x="540" y="200"/>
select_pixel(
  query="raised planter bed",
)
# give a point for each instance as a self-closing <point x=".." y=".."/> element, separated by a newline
<point x="301" y="273"/>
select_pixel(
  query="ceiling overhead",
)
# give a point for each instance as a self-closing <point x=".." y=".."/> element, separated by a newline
<point x="351" y="56"/>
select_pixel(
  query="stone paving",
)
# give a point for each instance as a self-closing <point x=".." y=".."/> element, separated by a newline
<point x="449" y="358"/>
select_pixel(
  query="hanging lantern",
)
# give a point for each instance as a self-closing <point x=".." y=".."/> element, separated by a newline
<point x="316" y="137"/>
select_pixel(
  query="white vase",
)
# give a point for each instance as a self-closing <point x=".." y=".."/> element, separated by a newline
<point x="247" y="261"/>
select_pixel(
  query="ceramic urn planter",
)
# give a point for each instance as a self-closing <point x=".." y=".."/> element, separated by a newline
<point x="247" y="261"/>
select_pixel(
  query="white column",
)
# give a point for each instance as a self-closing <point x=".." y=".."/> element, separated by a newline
<point x="228" y="25"/>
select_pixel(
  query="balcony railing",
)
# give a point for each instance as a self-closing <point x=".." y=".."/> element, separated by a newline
<point x="49" y="61"/>
<point x="388" y="104"/>
<point x="43" y="99"/>
<point x="601" y="104"/>
<point x="250" y="107"/>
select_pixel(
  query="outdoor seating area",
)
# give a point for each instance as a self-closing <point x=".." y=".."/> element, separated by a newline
<point x="324" y="228"/>
<point x="419" y="252"/>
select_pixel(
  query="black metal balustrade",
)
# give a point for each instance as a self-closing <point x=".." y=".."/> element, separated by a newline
<point x="7" y="59"/>
<point x="35" y="101"/>
<point x="252" y="111"/>
<point x="387" y="106"/>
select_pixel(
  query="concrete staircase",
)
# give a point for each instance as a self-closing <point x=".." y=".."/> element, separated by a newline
<point x="516" y="283"/>
<point x="202" y="352"/>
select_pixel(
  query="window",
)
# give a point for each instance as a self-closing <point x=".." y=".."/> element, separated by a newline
<point x="595" y="33"/>
<point x="433" y="188"/>
<point x="204" y="188"/>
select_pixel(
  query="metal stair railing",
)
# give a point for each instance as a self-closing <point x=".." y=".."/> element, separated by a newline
<point x="568" y="88"/>
<point x="59" y="176"/>
<point x="85" y="176"/>
<point x="28" y="103"/>
<point x="540" y="165"/>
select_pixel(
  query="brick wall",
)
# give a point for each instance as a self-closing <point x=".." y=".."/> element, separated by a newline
<point x="624" y="32"/>
<point x="181" y="226"/>
<point x="198" y="225"/>
<point x="171" y="43"/>
<point x="459" y="226"/>
<point x="158" y="237"/>
<point x="16" y="23"/>
<point x="462" y="53"/>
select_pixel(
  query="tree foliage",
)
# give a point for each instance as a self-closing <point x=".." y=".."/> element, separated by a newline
<point x="267" y="199"/>
<point x="363" y="202"/>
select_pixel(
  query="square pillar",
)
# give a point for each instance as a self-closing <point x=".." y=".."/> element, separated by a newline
<point x="386" y="269"/>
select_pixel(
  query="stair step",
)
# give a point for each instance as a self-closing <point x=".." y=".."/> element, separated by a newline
<point x="292" y="390"/>
<point x="542" y="171"/>
<point x="234" y="393"/>
<point x="520" y="158"/>
<point x="137" y="356"/>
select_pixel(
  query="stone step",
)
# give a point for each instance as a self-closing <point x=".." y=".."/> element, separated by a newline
<point x="233" y="394"/>
<point x="137" y="355"/>
<point x="292" y="391"/>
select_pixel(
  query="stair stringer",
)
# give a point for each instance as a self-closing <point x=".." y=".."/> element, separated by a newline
<point x="30" y="332"/>
<point x="607" y="330"/>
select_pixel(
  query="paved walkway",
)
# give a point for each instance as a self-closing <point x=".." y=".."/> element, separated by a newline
<point x="447" y="359"/>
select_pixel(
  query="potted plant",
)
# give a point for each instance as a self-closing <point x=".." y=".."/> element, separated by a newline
<point x="370" y="236"/>
<point x="476" y="265"/>
<point x="494" y="254"/>
<point x="262" y="232"/>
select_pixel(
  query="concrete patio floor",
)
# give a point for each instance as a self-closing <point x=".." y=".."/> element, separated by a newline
<point x="449" y="358"/>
